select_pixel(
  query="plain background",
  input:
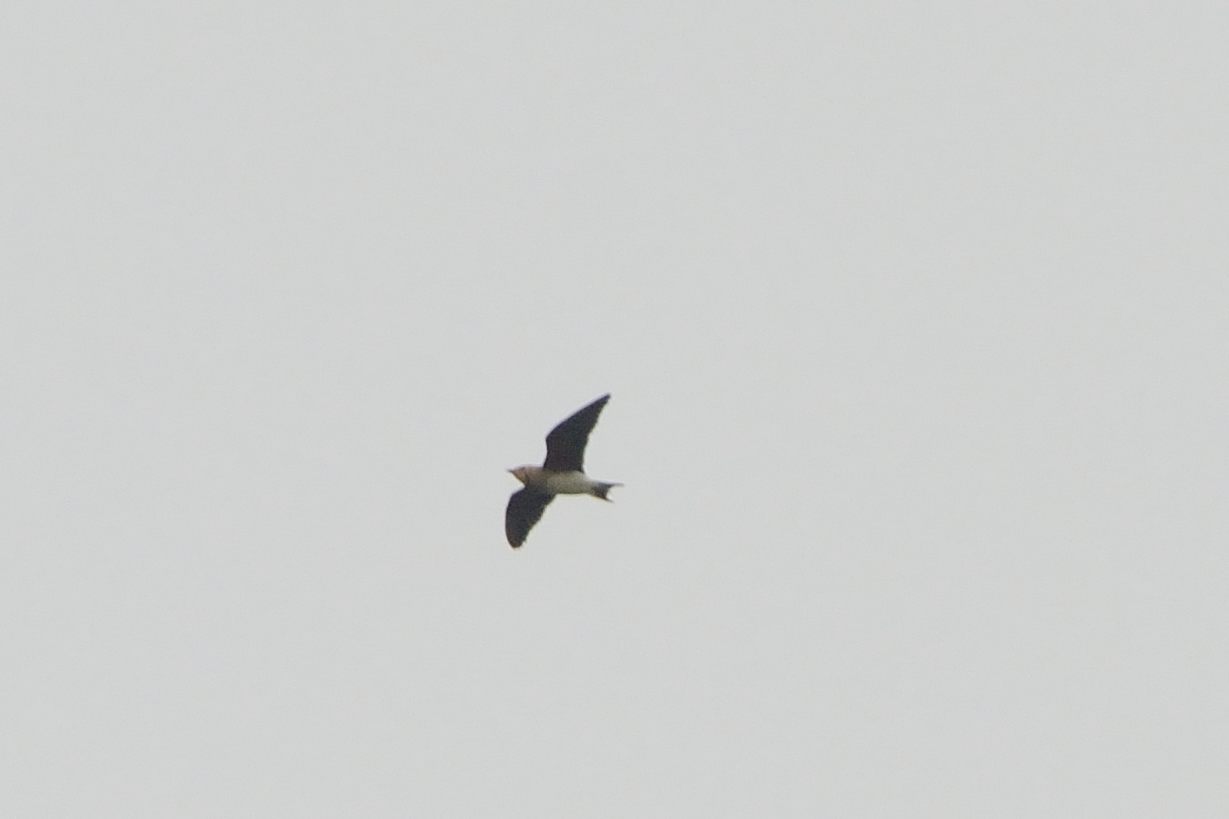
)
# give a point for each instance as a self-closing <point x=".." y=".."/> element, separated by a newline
<point x="915" y="321"/>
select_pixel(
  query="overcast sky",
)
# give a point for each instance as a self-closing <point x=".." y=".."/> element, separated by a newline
<point x="915" y="319"/>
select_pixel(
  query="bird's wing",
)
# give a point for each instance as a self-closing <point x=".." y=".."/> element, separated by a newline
<point x="525" y="508"/>
<point x="565" y="446"/>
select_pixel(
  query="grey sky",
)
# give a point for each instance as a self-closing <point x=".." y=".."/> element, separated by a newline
<point x="915" y="321"/>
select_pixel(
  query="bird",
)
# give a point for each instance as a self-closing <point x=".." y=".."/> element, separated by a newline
<point x="562" y="473"/>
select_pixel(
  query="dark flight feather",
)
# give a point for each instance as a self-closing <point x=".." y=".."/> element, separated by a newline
<point x="525" y="508"/>
<point x="565" y="445"/>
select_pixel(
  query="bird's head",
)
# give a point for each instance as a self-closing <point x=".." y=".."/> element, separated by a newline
<point x="521" y="473"/>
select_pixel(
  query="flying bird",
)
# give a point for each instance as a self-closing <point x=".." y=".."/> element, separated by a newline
<point x="562" y="473"/>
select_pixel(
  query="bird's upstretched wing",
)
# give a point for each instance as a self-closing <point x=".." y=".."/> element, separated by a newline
<point x="525" y="508"/>
<point x="565" y="446"/>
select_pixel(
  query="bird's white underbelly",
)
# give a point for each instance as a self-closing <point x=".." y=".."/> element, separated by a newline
<point x="568" y="483"/>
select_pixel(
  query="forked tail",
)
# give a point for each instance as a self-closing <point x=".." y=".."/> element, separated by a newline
<point x="601" y="489"/>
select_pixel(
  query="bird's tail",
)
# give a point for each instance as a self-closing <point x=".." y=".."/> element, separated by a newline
<point x="600" y="489"/>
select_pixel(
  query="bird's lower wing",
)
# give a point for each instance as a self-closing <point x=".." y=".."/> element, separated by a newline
<point x="525" y="508"/>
